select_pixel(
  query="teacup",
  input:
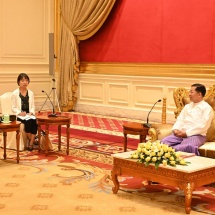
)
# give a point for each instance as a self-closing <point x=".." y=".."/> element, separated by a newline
<point x="6" y="118"/>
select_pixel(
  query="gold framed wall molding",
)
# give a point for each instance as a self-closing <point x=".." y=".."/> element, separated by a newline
<point x="205" y="71"/>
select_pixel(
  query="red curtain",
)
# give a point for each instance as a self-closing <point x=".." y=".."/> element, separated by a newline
<point x="155" y="31"/>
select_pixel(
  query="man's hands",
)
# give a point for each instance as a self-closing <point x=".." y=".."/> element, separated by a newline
<point x="179" y="133"/>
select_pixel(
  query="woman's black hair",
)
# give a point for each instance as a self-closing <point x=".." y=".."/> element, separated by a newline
<point x="200" y="88"/>
<point x="21" y="76"/>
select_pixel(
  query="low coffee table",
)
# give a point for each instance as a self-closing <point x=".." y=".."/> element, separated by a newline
<point x="199" y="172"/>
<point x="8" y="127"/>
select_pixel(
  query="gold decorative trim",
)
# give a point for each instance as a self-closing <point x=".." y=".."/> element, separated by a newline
<point x="206" y="71"/>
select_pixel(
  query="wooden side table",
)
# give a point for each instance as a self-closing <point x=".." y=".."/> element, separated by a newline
<point x="58" y="121"/>
<point x="135" y="129"/>
<point x="8" y="127"/>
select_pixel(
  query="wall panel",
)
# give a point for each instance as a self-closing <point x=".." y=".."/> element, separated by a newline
<point x="24" y="29"/>
<point x="118" y="94"/>
<point x="133" y="96"/>
<point x="91" y="92"/>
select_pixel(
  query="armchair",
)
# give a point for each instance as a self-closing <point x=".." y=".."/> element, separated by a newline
<point x="181" y="98"/>
<point x="5" y="103"/>
<point x="163" y="129"/>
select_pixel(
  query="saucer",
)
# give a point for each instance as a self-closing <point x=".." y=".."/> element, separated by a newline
<point x="5" y="122"/>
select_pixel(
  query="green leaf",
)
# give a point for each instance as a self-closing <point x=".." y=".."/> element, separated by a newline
<point x="157" y="163"/>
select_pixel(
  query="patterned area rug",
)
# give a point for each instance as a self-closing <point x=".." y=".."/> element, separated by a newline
<point x="81" y="184"/>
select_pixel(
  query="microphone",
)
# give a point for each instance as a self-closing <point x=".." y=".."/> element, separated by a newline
<point x="53" y="111"/>
<point x="147" y="125"/>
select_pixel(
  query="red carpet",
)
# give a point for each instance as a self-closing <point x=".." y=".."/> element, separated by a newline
<point x="92" y="121"/>
<point x="94" y="141"/>
<point x="95" y="133"/>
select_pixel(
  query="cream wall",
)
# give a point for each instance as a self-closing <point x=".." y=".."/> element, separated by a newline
<point x="110" y="89"/>
<point x="24" y="46"/>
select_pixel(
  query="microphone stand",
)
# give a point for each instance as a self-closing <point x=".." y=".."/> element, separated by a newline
<point x="48" y="97"/>
<point x="147" y="125"/>
<point x="53" y="114"/>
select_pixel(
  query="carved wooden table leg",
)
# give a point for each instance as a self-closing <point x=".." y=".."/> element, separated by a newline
<point x="17" y="144"/>
<point x="115" y="180"/>
<point x="67" y="135"/>
<point x="125" y="142"/>
<point x="188" y="191"/>
<point x="46" y="139"/>
<point x="39" y="137"/>
<point x="5" y="141"/>
<point x="141" y="138"/>
<point x="59" y="137"/>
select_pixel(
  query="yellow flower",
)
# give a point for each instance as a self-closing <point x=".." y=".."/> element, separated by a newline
<point x="139" y="149"/>
<point x="165" y="149"/>
<point x="148" y="146"/>
<point x="164" y="162"/>
<point x="147" y="152"/>
<point x="154" y="159"/>
<point x="141" y="145"/>
<point x="159" y="147"/>
<point x="172" y="163"/>
<point x="177" y="154"/>
<point x="182" y="162"/>
<point x="153" y="153"/>
<point x="171" y="158"/>
<point x="142" y="156"/>
<point x="157" y="142"/>
<point x="167" y="155"/>
<point x="135" y="156"/>
<point x="169" y="149"/>
<point x="148" y="159"/>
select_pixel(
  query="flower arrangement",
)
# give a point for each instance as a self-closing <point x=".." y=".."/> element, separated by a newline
<point x="157" y="153"/>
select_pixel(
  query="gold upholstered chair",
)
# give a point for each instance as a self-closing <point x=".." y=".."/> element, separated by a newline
<point x="181" y="98"/>
<point x="160" y="130"/>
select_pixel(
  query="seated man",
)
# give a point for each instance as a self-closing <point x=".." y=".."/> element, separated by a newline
<point x="190" y="128"/>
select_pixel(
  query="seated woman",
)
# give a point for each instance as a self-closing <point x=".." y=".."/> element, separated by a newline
<point x="23" y="106"/>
